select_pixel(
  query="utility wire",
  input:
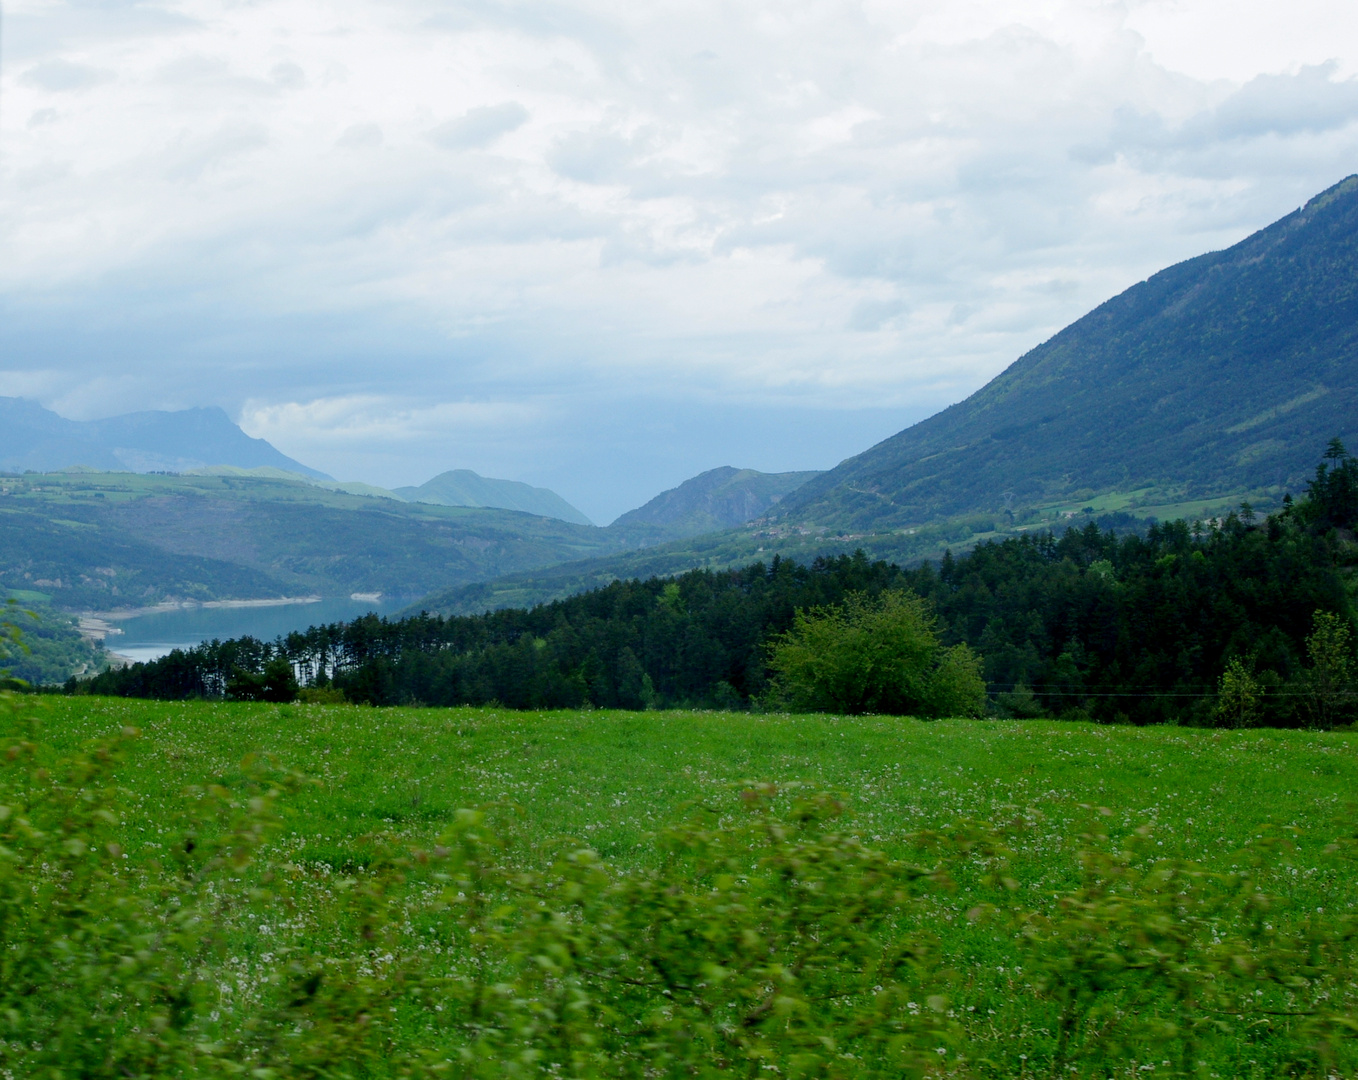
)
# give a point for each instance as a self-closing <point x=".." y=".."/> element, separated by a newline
<point x="1067" y="690"/>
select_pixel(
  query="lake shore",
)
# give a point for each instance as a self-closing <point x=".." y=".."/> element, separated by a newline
<point x="97" y="625"/>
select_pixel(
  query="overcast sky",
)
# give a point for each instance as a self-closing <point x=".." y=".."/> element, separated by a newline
<point x="603" y="246"/>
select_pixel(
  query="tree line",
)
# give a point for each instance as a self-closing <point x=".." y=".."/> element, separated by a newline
<point x="1243" y="619"/>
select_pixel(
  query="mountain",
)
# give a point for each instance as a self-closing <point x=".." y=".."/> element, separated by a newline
<point x="37" y="439"/>
<point x="1226" y="373"/>
<point x="97" y="541"/>
<point x="462" y="487"/>
<point x="715" y="500"/>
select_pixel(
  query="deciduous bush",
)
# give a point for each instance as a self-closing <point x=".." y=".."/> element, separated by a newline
<point x="1239" y="698"/>
<point x="1329" y="688"/>
<point x="874" y="655"/>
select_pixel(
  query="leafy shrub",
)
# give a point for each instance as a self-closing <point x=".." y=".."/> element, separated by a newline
<point x="1240" y="697"/>
<point x="1330" y="694"/>
<point x="877" y="655"/>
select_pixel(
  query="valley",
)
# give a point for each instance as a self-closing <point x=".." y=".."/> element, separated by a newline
<point x="1209" y="386"/>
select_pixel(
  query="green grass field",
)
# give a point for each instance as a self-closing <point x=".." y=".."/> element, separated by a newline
<point x="610" y="780"/>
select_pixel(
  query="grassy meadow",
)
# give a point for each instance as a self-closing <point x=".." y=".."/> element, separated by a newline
<point x="609" y="781"/>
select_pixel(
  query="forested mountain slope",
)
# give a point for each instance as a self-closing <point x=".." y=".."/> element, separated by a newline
<point x="1221" y="374"/>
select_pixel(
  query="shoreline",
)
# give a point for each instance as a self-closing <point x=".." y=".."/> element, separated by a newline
<point x="96" y="625"/>
<point x="122" y="614"/>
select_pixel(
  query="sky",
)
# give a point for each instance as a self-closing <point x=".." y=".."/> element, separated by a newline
<point x="603" y="246"/>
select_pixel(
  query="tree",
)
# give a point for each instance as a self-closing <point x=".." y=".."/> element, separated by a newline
<point x="278" y="683"/>
<point x="1329" y="683"/>
<point x="874" y="656"/>
<point x="1239" y="698"/>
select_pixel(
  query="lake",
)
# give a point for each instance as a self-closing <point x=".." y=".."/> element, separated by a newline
<point x="148" y="637"/>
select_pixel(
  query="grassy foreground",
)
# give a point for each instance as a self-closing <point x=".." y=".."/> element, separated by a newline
<point x="1254" y="812"/>
<point x="610" y="779"/>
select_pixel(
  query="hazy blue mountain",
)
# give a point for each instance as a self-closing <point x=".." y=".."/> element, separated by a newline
<point x="462" y="487"/>
<point x="1225" y="373"/>
<point x="35" y="438"/>
<point x="715" y="500"/>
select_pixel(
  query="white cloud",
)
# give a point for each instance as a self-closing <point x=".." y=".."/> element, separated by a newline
<point x="60" y="76"/>
<point x="844" y="204"/>
<point x="378" y="420"/>
<point x="480" y="126"/>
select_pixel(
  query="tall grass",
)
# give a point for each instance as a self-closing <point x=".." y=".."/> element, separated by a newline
<point x="469" y="893"/>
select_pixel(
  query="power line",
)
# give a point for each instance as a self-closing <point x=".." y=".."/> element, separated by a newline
<point x="1067" y="690"/>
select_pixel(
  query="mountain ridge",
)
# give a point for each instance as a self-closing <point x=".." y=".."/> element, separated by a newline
<point x="35" y="439"/>
<point x="1220" y="373"/>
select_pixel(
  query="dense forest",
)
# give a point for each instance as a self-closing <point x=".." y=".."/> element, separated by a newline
<point x="1153" y="628"/>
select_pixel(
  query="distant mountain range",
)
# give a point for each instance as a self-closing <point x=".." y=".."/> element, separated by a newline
<point x="462" y="487"/>
<point x="37" y="439"/>
<point x="1218" y="379"/>
<point x="204" y="441"/>
<point x="1225" y="373"/>
<point x="102" y="540"/>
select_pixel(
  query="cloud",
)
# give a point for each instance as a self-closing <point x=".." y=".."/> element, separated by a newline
<point x="287" y="75"/>
<point x="190" y="155"/>
<point x="360" y="137"/>
<point x="837" y="206"/>
<point x="377" y="419"/>
<point x="1308" y="101"/>
<point x="61" y="76"/>
<point x="480" y="126"/>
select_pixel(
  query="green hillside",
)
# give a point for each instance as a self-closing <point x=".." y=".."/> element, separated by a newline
<point x="763" y="539"/>
<point x="713" y="552"/>
<point x="40" y="645"/>
<point x="112" y="540"/>
<point x="1219" y="375"/>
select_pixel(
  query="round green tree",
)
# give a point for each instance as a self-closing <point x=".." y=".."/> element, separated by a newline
<point x="874" y="655"/>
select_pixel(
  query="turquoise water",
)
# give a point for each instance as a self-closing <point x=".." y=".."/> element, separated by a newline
<point x="147" y="637"/>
